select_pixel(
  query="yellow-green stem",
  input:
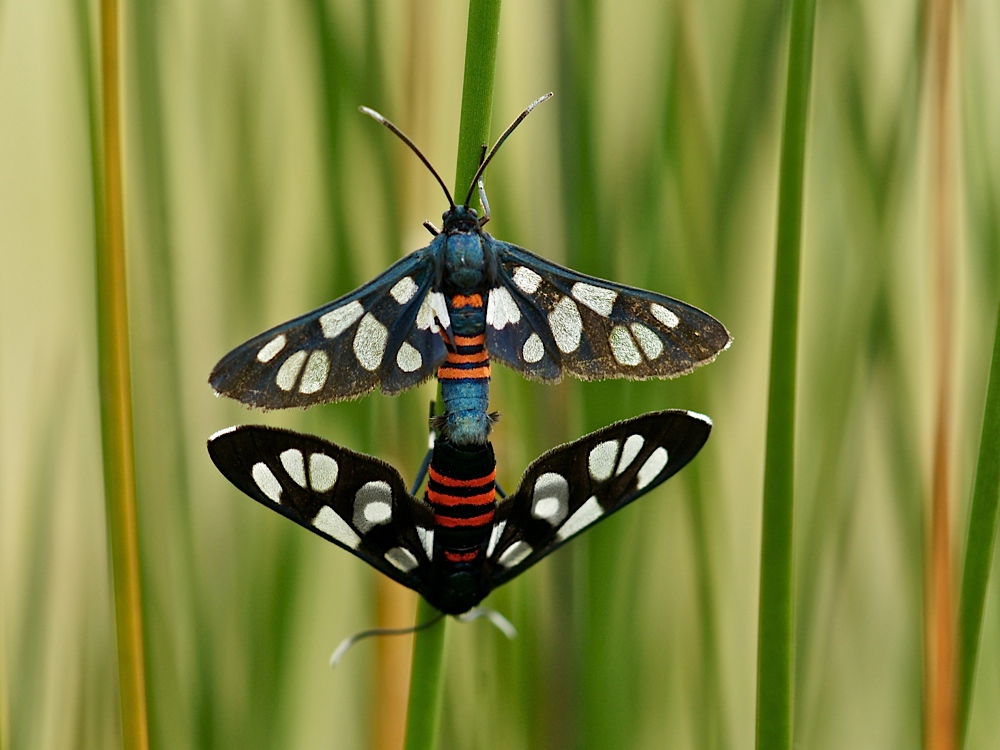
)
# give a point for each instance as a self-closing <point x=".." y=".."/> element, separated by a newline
<point x="116" y="397"/>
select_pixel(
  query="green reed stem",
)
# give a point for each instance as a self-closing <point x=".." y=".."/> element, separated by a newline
<point x="423" y="718"/>
<point x="980" y="542"/>
<point x="116" y="395"/>
<point x="775" y="635"/>
<point x="423" y="714"/>
<point x="477" y="92"/>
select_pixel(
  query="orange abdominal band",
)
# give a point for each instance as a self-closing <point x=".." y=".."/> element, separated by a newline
<point x="449" y="482"/>
<point x="465" y="359"/>
<point x="449" y="522"/>
<point x="453" y="373"/>
<point x="473" y="300"/>
<point x="477" y="340"/>
<point x="451" y="501"/>
<point x="461" y="556"/>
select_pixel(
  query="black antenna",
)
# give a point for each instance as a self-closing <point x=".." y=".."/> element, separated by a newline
<point x="496" y="146"/>
<point x="403" y="137"/>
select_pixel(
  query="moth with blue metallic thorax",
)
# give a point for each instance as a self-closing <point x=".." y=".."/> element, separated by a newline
<point x="450" y="307"/>
<point x="461" y="543"/>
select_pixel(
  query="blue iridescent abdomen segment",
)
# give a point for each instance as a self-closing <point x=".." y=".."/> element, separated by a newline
<point x="465" y="374"/>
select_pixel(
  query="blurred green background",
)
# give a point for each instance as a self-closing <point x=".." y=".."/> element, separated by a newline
<point x="255" y="191"/>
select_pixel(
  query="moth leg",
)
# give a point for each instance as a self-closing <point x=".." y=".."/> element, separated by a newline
<point x="425" y="464"/>
<point x="500" y="492"/>
<point x="422" y="472"/>
<point x="432" y="229"/>
<point x="486" y="204"/>
<point x="482" y="192"/>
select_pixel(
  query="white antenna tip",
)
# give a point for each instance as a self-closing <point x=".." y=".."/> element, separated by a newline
<point x="372" y="114"/>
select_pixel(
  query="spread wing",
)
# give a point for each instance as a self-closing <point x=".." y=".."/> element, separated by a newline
<point x="384" y="334"/>
<point x="353" y="500"/>
<point x="576" y="485"/>
<point x="544" y="320"/>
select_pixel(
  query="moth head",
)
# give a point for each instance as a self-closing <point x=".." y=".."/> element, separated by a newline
<point x="460" y="219"/>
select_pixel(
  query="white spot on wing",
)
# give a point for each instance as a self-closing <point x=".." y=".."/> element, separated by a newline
<point x="340" y="319"/>
<point x="566" y="325"/>
<point x="526" y="279"/>
<point x="665" y="316"/>
<point x="597" y="298"/>
<point x="585" y="515"/>
<point x="623" y="346"/>
<point x="426" y="541"/>
<point x="403" y="290"/>
<point x="533" y="349"/>
<point x="270" y="350"/>
<point x="601" y="460"/>
<point x="333" y="525"/>
<point x="402" y="558"/>
<point x="501" y="309"/>
<point x="288" y="373"/>
<point x="314" y="376"/>
<point x="369" y="342"/>
<point x="550" y="498"/>
<point x="295" y="465"/>
<point x="700" y="417"/>
<point x="433" y="311"/>
<point x="323" y="471"/>
<point x="223" y="431"/>
<point x="408" y="358"/>
<point x="372" y="505"/>
<point x="495" y="536"/>
<point x="652" y="468"/>
<point x="651" y="345"/>
<point x="266" y="481"/>
<point x="515" y="553"/>
<point x="631" y="449"/>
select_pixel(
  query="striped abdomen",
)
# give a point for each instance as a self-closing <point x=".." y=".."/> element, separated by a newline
<point x="465" y="373"/>
<point x="461" y="488"/>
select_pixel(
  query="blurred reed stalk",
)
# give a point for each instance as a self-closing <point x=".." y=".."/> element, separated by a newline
<point x="423" y="718"/>
<point x="775" y="634"/>
<point x="939" y="689"/>
<point x="115" y="394"/>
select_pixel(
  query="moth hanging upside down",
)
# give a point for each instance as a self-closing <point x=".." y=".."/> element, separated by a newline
<point x="449" y="308"/>
<point x="460" y="543"/>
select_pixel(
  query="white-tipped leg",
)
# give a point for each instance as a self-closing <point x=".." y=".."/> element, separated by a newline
<point x="500" y="622"/>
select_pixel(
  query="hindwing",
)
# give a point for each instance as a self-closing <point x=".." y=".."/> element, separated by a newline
<point x="544" y="320"/>
<point x="384" y="334"/>
<point x="361" y="504"/>
<point x="353" y="500"/>
<point x="575" y="485"/>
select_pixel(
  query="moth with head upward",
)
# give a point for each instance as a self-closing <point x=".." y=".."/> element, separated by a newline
<point x="450" y="308"/>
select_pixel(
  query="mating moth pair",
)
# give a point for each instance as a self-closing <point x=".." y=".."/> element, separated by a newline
<point x="448" y="310"/>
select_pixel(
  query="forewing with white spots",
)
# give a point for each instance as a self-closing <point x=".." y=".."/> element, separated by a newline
<point x="545" y="320"/>
<point x="384" y="334"/>
<point x="353" y="500"/>
<point x="575" y="485"/>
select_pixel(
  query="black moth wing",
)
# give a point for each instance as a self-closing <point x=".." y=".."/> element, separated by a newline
<point x="575" y="485"/>
<point x="355" y="501"/>
<point x="384" y="333"/>
<point x="592" y="328"/>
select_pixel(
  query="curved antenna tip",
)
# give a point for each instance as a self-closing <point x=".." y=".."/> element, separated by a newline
<point x="413" y="147"/>
<point x="500" y="140"/>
